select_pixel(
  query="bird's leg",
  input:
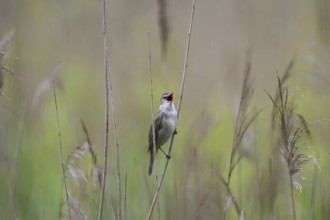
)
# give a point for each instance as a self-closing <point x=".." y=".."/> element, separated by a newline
<point x="166" y="155"/>
<point x="175" y="132"/>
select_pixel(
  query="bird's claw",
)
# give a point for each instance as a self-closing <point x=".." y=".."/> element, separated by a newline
<point x="168" y="156"/>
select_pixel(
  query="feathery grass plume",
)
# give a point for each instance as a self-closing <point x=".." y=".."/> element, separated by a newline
<point x="82" y="178"/>
<point x="243" y="120"/>
<point x="164" y="27"/>
<point x="292" y="128"/>
<point x="77" y="179"/>
<point x="287" y="74"/>
<point x="273" y="171"/>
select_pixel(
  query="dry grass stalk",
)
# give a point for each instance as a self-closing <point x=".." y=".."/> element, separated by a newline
<point x="114" y="123"/>
<point x="287" y="74"/>
<point x="97" y="171"/>
<point x="293" y="128"/>
<point x="313" y="192"/>
<point x="153" y="124"/>
<point x="243" y="120"/>
<point x="231" y="196"/>
<point x="61" y="151"/>
<point x="80" y="178"/>
<point x="273" y="160"/>
<point x="106" y="132"/>
<point x="201" y="204"/>
<point x="117" y="150"/>
<point x="179" y="108"/>
<point x="114" y="120"/>
<point x="91" y="151"/>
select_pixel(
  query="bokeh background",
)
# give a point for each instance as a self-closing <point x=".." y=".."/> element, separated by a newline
<point x="63" y="39"/>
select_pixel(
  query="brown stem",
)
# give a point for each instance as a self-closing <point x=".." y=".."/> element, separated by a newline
<point x="179" y="108"/>
<point x="225" y="183"/>
<point x="106" y="133"/>
<point x="292" y="199"/>
<point x="61" y="151"/>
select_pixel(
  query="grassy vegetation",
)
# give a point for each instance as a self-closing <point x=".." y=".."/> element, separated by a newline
<point x="252" y="138"/>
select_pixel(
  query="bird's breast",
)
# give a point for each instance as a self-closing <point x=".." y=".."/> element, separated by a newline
<point x="168" y="127"/>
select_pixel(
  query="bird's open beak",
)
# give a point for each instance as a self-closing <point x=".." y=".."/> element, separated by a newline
<point x="170" y="97"/>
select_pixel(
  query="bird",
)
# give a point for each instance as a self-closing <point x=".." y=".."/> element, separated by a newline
<point x="165" y="126"/>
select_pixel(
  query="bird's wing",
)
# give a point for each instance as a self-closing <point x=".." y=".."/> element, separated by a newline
<point x="158" y="124"/>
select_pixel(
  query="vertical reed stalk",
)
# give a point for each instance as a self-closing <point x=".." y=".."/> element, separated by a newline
<point x="179" y="108"/>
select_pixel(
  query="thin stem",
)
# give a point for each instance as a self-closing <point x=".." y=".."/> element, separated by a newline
<point x="186" y="59"/>
<point x="8" y="70"/>
<point x="313" y="192"/>
<point x="61" y="150"/>
<point x="292" y="198"/>
<point x="226" y="184"/>
<point x="125" y="195"/>
<point x="240" y="184"/>
<point x="114" y="124"/>
<point x="91" y="151"/>
<point x="106" y="133"/>
<point x="179" y="108"/>
<point x="152" y="119"/>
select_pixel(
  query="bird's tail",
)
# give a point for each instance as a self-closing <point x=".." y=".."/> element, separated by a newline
<point x="151" y="163"/>
<point x="152" y="159"/>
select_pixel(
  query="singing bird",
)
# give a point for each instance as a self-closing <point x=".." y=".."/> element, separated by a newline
<point x="165" y="125"/>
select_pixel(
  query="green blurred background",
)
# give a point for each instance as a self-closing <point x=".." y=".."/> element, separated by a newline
<point x="69" y="33"/>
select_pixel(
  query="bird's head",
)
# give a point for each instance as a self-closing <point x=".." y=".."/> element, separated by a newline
<point x="167" y="97"/>
<point x="166" y="100"/>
